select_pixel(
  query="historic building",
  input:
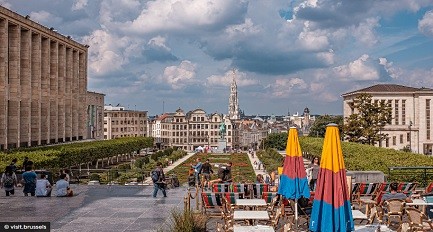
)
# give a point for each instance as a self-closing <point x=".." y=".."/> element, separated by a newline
<point x="411" y="115"/>
<point x="190" y="130"/>
<point x="233" y="100"/>
<point x="303" y="122"/>
<point x="95" y="111"/>
<point x="120" y="122"/>
<point x="43" y="84"/>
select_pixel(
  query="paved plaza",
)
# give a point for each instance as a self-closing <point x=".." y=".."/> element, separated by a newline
<point x="101" y="208"/>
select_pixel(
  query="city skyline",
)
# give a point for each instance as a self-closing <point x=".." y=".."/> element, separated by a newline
<point x="289" y="54"/>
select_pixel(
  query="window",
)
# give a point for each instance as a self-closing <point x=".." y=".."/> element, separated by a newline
<point x="403" y="112"/>
<point x="394" y="140"/>
<point x="396" y="112"/>
<point x="408" y="136"/>
<point x="387" y="142"/>
<point x="401" y="138"/>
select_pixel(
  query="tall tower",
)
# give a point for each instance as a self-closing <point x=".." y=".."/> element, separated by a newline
<point x="233" y="99"/>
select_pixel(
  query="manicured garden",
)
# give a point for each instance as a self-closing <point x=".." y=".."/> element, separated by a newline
<point x="357" y="157"/>
<point x="242" y="171"/>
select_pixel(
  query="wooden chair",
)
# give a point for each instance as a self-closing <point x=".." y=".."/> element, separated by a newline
<point x="418" y="221"/>
<point x="395" y="208"/>
<point x="365" y="190"/>
<point x="220" y="227"/>
<point x="287" y="227"/>
<point x="429" y="188"/>
<point x="240" y="188"/>
<point x="274" y="219"/>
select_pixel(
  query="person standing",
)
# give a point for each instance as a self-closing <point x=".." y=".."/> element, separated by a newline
<point x="313" y="168"/>
<point x="9" y="181"/>
<point x="29" y="179"/>
<point x="43" y="187"/>
<point x="206" y="170"/>
<point x="197" y="169"/>
<point x="14" y="164"/>
<point x="158" y="179"/>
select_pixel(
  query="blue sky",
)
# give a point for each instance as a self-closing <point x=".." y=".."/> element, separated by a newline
<point x="288" y="54"/>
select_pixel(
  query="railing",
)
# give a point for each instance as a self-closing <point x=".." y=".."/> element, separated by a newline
<point x="425" y="172"/>
<point x="194" y="194"/>
<point x="110" y="174"/>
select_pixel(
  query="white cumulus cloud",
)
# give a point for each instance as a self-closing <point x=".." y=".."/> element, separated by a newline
<point x="179" y="76"/>
<point x="283" y="87"/>
<point x="226" y="79"/>
<point x="425" y="25"/>
<point x="360" y="69"/>
<point x="79" y="4"/>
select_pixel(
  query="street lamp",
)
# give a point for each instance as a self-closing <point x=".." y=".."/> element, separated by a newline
<point x="410" y="136"/>
<point x="380" y="134"/>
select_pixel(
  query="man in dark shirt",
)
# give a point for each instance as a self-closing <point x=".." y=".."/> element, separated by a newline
<point x="206" y="170"/>
<point x="159" y="184"/>
<point x="224" y="174"/>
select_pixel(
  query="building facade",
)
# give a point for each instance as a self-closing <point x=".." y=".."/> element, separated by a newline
<point x="191" y="130"/>
<point x="411" y="124"/>
<point x="43" y="84"/>
<point x="95" y="114"/>
<point x="120" y="122"/>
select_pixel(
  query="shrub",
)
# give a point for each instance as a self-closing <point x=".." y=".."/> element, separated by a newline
<point x="145" y="160"/>
<point x="187" y="221"/>
<point x="95" y="176"/>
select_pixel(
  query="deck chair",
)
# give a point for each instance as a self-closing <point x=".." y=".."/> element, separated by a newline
<point x="240" y="188"/>
<point x="231" y="197"/>
<point x="395" y="208"/>
<point x="418" y="221"/>
<point x="268" y="196"/>
<point x="407" y="187"/>
<point x="303" y="212"/>
<point x="365" y="190"/>
<point x="212" y="204"/>
<point x="221" y="188"/>
<point x="258" y="189"/>
<point x="429" y="188"/>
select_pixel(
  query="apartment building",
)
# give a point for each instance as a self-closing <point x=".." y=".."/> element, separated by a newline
<point x="43" y="84"/>
<point x="120" y="122"/>
<point x="191" y="130"/>
<point x="411" y="124"/>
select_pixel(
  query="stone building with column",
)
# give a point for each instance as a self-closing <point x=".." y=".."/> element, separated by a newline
<point x="43" y="84"/>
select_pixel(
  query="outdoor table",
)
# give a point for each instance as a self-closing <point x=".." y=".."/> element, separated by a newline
<point x="250" y="215"/>
<point x="358" y="215"/>
<point x="251" y="202"/>
<point x="257" y="228"/>
<point x="419" y="202"/>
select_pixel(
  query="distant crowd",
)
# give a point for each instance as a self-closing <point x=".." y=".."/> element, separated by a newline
<point x="31" y="184"/>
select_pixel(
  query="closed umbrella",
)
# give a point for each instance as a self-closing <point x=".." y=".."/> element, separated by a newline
<point x="293" y="182"/>
<point x="331" y="206"/>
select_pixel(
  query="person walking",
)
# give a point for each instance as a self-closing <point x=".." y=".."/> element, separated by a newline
<point x="158" y="179"/>
<point x="313" y="169"/>
<point x="9" y="181"/>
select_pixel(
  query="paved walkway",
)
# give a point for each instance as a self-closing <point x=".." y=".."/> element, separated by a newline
<point x="102" y="208"/>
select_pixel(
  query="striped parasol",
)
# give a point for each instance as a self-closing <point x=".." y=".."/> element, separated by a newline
<point x="331" y="206"/>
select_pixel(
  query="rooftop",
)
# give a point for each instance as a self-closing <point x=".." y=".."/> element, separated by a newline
<point x="388" y="88"/>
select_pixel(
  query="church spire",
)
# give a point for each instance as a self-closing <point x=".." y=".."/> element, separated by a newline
<point x="233" y="99"/>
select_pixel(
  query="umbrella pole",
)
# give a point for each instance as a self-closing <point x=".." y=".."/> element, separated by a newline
<point x="296" y="214"/>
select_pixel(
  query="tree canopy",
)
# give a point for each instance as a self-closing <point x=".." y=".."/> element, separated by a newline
<point x="275" y="140"/>
<point x="367" y="121"/>
<point x="318" y="128"/>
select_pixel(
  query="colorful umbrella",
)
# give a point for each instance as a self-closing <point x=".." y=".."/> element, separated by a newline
<point x="331" y="206"/>
<point x="293" y="182"/>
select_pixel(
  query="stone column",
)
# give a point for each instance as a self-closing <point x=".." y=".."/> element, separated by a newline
<point x="75" y="102"/>
<point x="61" y="93"/>
<point x="68" y="95"/>
<point x="45" y="90"/>
<point x="25" y="85"/>
<point x="13" y="116"/>
<point x="35" y="130"/>
<point x="82" y="91"/>
<point x="3" y="82"/>
<point x="53" y="91"/>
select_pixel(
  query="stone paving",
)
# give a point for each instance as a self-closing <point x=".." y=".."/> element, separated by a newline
<point x="101" y="208"/>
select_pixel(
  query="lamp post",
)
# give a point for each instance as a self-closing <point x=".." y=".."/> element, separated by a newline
<point x="380" y="134"/>
<point x="410" y="136"/>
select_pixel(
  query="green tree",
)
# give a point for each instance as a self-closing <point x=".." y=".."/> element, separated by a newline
<point x="370" y="117"/>
<point x="275" y="140"/>
<point x="318" y="128"/>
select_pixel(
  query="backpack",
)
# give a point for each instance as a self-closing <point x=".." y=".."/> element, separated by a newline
<point x="9" y="181"/>
<point x="176" y="182"/>
<point x="155" y="176"/>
